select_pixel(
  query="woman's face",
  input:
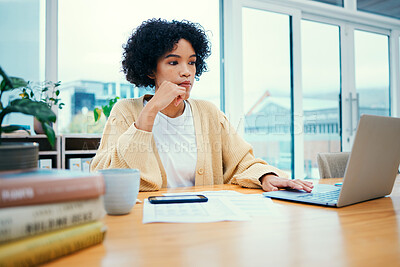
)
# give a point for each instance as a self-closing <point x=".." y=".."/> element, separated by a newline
<point x="177" y="66"/>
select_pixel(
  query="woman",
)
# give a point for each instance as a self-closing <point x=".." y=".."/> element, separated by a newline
<point x="173" y="140"/>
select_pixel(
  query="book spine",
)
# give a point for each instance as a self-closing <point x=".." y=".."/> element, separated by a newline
<point x="18" y="192"/>
<point x="17" y="222"/>
<point x="45" y="247"/>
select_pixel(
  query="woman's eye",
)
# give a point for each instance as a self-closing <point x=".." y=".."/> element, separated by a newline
<point x="192" y="63"/>
<point x="173" y="62"/>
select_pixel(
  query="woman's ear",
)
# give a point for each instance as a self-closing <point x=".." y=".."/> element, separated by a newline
<point x="151" y="76"/>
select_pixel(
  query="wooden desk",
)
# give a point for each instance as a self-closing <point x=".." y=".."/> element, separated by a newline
<point x="365" y="234"/>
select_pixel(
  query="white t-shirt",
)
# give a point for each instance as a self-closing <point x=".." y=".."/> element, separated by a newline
<point x="176" y="144"/>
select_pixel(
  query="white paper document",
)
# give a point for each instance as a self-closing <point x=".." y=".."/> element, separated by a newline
<point x="214" y="210"/>
<point x="252" y="204"/>
<point x="221" y="206"/>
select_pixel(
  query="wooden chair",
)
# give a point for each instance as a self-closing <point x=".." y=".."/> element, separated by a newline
<point x="332" y="165"/>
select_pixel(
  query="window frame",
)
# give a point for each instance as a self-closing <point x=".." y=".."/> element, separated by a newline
<point x="348" y="18"/>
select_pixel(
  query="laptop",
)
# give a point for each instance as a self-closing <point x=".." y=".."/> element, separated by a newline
<point x="370" y="172"/>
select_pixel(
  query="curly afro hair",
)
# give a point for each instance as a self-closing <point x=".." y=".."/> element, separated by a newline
<point x="155" y="37"/>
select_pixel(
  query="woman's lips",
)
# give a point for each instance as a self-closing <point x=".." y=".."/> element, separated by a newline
<point x="185" y="84"/>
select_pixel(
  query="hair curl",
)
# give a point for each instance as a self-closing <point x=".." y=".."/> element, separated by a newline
<point x="155" y="37"/>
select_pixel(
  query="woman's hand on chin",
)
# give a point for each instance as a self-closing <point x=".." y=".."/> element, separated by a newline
<point x="166" y="93"/>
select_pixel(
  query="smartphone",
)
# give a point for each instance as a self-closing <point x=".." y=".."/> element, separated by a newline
<point x="177" y="199"/>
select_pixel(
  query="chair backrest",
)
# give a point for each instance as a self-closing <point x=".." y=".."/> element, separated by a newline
<point x="332" y="165"/>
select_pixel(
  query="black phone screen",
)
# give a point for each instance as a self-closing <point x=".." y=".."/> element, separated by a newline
<point x="177" y="199"/>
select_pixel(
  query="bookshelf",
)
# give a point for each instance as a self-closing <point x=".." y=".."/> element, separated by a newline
<point x="45" y="149"/>
<point x="75" y="146"/>
<point x="68" y="146"/>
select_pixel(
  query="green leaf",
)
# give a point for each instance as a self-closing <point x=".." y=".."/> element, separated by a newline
<point x="48" y="130"/>
<point x="18" y="82"/>
<point x="15" y="83"/>
<point x="12" y="128"/>
<point x="97" y="114"/>
<point x="107" y="110"/>
<point x="26" y="106"/>
<point x="3" y="85"/>
<point x="113" y="101"/>
<point x="6" y="82"/>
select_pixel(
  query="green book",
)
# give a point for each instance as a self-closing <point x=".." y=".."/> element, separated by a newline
<point x="46" y="247"/>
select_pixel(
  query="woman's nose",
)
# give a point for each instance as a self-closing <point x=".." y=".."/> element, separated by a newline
<point x="185" y="71"/>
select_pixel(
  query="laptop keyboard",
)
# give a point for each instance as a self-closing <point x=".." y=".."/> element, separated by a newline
<point x="329" y="196"/>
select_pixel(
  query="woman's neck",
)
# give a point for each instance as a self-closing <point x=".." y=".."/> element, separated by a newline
<point x="172" y="111"/>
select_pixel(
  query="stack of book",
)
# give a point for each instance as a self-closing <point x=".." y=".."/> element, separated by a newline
<point x="46" y="214"/>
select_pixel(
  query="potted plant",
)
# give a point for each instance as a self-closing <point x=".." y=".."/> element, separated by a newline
<point x="106" y="109"/>
<point x="14" y="156"/>
<point x="46" y="92"/>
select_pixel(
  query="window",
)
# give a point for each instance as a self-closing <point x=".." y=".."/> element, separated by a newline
<point x="21" y="48"/>
<point x="372" y="73"/>
<point x="267" y="85"/>
<point x="91" y="35"/>
<point x="321" y="91"/>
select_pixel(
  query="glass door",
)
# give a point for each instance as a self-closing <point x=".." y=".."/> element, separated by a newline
<point x="370" y="93"/>
<point x="344" y="70"/>
<point x="372" y="73"/>
<point x="267" y="85"/>
<point x="320" y="44"/>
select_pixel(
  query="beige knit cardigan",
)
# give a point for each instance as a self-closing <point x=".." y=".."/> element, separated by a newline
<point x="222" y="155"/>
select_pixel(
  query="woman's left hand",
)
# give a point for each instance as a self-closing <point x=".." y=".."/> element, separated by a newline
<point x="272" y="182"/>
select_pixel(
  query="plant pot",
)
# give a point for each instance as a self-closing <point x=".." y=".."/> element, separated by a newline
<point x="18" y="156"/>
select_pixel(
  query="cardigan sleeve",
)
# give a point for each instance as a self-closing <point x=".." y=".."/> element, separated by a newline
<point x="240" y="165"/>
<point x="124" y="146"/>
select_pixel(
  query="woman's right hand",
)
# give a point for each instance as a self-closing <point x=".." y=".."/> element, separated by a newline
<point x="166" y="93"/>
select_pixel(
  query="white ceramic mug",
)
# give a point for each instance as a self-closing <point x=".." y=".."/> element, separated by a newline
<point x="122" y="188"/>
